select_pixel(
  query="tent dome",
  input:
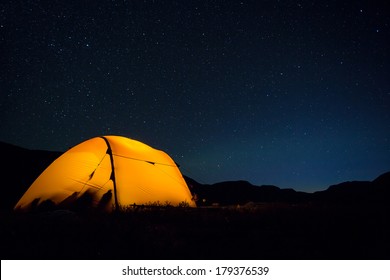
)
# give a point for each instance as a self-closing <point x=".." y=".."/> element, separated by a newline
<point x="113" y="170"/>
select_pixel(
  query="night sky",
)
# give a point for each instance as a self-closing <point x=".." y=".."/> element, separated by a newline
<point x="290" y="93"/>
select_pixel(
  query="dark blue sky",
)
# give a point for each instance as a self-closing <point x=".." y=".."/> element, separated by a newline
<point x="290" y="93"/>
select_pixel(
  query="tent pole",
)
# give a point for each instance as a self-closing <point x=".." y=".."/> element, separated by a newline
<point x="109" y="151"/>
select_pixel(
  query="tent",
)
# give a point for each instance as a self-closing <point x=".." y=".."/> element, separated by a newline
<point x="113" y="171"/>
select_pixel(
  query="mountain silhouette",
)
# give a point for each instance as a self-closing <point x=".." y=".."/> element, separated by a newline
<point x="376" y="191"/>
<point x="242" y="192"/>
<point x="23" y="166"/>
<point x="382" y="183"/>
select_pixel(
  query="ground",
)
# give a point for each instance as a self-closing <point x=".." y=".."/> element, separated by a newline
<point x="262" y="231"/>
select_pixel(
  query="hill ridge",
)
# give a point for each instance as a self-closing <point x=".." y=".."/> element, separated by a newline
<point x="24" y="166"/>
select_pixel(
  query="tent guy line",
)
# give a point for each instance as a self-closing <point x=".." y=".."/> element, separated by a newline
<point x="86" y="183"/>
<point x="144" y="160"/>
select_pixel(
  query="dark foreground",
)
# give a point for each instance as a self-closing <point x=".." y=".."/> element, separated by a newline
<point x="265" y="231"/>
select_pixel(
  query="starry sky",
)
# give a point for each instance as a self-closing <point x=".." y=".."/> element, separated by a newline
<point x="290" y="93"/>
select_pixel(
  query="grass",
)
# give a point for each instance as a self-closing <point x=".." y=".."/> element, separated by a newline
<point x="261" y="231"/>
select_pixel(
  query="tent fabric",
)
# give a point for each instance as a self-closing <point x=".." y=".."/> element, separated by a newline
<point x="117" y="169"/>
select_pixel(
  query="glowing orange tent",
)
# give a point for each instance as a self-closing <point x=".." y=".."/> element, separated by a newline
<point x="114" y="169"/>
